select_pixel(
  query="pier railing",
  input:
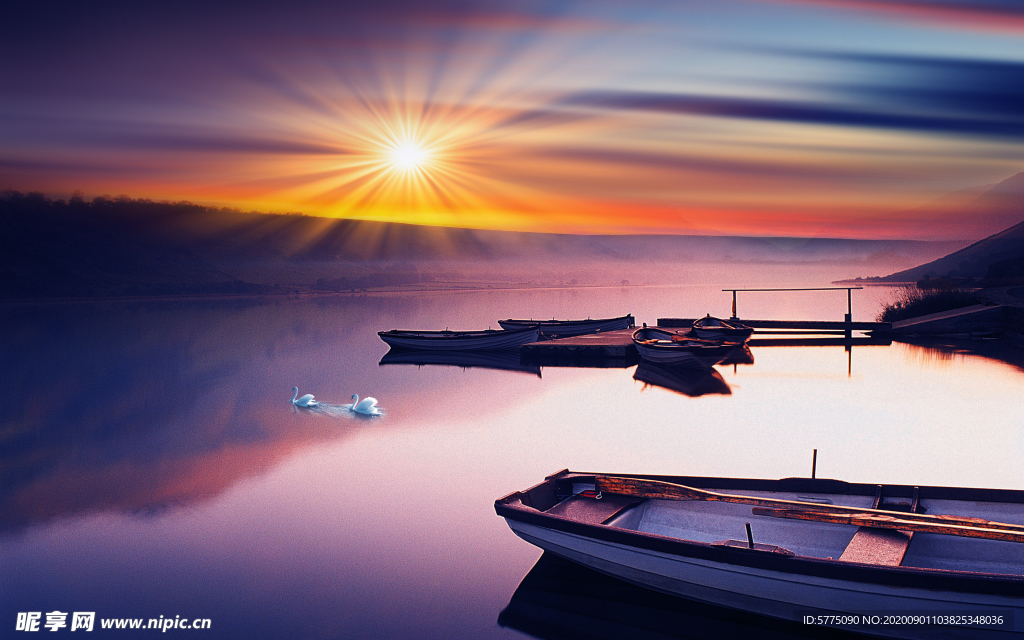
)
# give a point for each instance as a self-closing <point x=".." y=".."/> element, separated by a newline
<point x="849" y="297"/>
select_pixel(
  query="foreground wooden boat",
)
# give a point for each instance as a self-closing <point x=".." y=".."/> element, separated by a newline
<point x="566" y="328"/>
<point x="708" y="328"/>
<point x="459" y="340"/>
<point x="890" y="561"/>
<point x="666" y="347"/>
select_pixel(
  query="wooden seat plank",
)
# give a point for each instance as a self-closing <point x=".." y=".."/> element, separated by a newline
<point x="592" y="510"/>
<point x="877" y="546"/>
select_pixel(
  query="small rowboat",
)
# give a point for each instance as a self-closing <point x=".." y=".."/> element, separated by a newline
<point x="665" y="347"/>
<point x="566" y="328"/>
<point x="892" y="561"/>
<point x="459" y="340"/>
<point x="708" y="328"/>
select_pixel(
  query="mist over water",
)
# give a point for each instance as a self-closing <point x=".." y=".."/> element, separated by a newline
<point x="152" y="463"/>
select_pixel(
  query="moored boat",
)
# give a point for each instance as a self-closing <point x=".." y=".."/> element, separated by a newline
<point x="709" y="328"/>
<point x="459" y="340"/>
<point x="891" y="561"/>
<point x="565" y="328"/>
<point x="667" y="347"/>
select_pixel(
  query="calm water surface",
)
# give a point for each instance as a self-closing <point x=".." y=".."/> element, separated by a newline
<point x="152" y="464"/>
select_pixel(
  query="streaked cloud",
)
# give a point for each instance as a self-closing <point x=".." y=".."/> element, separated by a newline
<point x="996" y="15"/>
<point x="739" y="116"/>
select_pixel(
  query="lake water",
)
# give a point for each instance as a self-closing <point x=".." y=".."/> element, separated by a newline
<point x="152" y="464"/>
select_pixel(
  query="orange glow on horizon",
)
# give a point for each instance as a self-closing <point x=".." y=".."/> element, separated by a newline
<point x="559" y="124"/>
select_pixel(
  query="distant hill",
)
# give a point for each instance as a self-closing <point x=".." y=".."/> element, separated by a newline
<point x="121" y="246"/>
<point x="998" y="259"/>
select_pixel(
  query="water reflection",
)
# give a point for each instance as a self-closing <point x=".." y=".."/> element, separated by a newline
<point x="560" y="600"/>
<point x="500" y="359"/>
<point x="689" y="381"/>
<point x="740" y="355"/>
<point x="932" y="350"/>
<point x="264" y="516"/>
<point x="580" y="360"/>
<point x="144" y="406"/>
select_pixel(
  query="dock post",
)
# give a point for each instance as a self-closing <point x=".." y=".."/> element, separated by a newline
<point x="849" y="310"/>
<point x="734" y="316"/>
<point x="814" y="463"/>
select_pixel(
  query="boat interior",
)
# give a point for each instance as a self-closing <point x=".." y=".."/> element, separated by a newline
<point x="726" y="523"/>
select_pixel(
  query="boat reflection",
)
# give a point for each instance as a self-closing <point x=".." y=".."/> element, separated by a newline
<point x="504" y="359"/>
<point x="560" y="600"/>
<point x="740" y="355"/>
<point x="580" y="361"/>
<point x="688" y="380"/>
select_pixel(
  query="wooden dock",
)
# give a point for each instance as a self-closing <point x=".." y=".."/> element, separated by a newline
<point x="789" y="325"/>
<point x="616" y="349"/>
<point x="607" y="344"/>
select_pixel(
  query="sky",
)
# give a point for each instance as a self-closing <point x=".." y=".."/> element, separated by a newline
<point x="814" y="118"/>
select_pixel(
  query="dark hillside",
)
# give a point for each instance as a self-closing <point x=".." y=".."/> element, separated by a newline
<point x="126" y="247"/>
<point x="57" y="249"/>
<point x="999" y="259"/>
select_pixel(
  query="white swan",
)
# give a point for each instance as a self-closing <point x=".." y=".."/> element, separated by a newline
<point x="367" y="407"/>
<point x="305" y="401"/>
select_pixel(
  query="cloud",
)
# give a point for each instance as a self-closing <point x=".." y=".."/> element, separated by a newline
<point x="975" y="88"/>
<point x="988" y="15"/>
<point x="947" y="96"/>
<point x="703" y="164"/>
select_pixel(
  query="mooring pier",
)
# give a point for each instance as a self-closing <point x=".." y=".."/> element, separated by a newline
<point x="790" y="326"/>
<point x="619" y="344"/>
<point x="845" y="326"/>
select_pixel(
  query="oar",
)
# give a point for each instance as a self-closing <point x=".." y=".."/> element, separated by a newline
<point x="877" y="521"/>
<point x="671" y="491"/>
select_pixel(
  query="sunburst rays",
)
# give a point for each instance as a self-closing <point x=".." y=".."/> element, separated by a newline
<point x="414" y="162"/>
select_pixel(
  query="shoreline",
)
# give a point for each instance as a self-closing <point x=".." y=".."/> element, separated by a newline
<point x="323" y="294"/>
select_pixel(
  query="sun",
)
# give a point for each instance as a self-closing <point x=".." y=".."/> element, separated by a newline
<point x="409" y="156"/>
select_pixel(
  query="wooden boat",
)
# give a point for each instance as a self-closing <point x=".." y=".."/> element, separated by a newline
<point x="891" y="561"/>
<point x="459" y="340"/>
<point x="502" y="359"/>
<point x="565" y="328"/>
<point x="708" y="328"/>
<point x="666" y="347"/>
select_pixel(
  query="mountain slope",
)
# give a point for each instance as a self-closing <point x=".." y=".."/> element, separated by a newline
<point x="998" y="256"/>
